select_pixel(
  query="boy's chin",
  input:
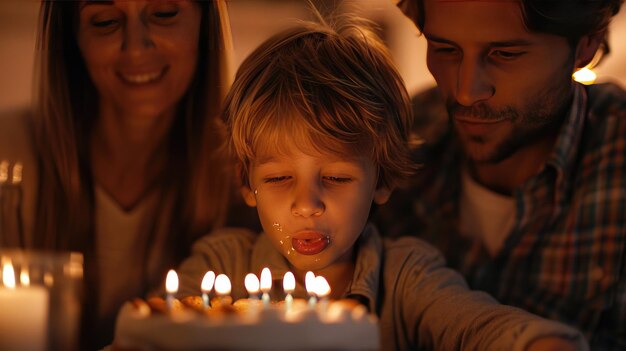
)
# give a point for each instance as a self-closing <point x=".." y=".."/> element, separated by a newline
<point x="307" y="263"/>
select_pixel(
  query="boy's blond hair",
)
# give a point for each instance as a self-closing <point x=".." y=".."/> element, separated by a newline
<point x="333" y="88"/>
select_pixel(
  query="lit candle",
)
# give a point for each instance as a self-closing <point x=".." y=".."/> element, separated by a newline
<point x="223" y="288"/>
<point x="266" y="285"/>
<point x="206" y="287"/>
<point x="289" y="285"/>
<point x="322" y="290"/>
<point x="171" y="287"/>
<point x="252" y="286"/>
<point x="23" y="321"/>
<point x="309" y="283"/>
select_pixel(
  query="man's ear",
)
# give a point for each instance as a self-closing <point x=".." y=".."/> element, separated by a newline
<point x="248" y="195"/>
<point x="382" y="194"/>
<point x="587" y="47"/>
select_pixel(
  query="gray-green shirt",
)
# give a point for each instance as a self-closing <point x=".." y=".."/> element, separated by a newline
<point x="420" y="303"/>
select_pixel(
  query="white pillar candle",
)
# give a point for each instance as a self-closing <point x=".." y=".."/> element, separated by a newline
<point x="24" y="316"/>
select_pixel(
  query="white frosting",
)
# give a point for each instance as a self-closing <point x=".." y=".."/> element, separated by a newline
<point x="339" y="327"/>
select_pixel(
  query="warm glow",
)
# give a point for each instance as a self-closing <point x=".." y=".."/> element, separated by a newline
<point x="207" y="282"/>
<point x="171" y="282"/>
<point x="585" y="76"/>
<point x="8" y="276"/>
<point x="266" y="280"/>
<point x="289" y="283"/>
<point x="322" y="289"/>
<point x="309" y="282"/>
<point x="252" y="283"/>
<point x="24" y="278"/>
<point x="222" y="285"/>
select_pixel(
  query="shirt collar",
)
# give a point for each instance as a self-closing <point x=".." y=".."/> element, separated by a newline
<point x="366" y="278"/>
<point x="565" y="151"/>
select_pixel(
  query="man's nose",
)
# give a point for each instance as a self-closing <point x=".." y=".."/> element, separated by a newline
<point x="307" y="201"/>
<point x="473" y="84"/>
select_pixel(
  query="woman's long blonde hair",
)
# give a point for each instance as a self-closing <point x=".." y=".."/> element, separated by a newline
<point x="198" y="177"/>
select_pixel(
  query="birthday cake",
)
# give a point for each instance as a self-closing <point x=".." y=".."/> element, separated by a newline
<point x="245" y="325"/>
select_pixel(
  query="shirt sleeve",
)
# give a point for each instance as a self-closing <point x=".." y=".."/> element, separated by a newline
<point x="440" y="312"/>
<point x="226" y="251"/>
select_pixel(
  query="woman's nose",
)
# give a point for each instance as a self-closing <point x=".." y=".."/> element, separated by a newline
<point x="307" y="201"/>
<point x="137" y="37"/>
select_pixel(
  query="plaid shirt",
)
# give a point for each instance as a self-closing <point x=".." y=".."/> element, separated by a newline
<point x="565" y="256"/>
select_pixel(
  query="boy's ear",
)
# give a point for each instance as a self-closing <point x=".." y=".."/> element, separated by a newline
<point x="248" y="195"/>
<point x="587" y="47"/>
<point x="382" y="194"/>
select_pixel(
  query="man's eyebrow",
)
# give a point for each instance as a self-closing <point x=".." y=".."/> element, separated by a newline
<point x="500" y="43"/>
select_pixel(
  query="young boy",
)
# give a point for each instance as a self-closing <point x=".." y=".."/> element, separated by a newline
<point x="319" y="119"/>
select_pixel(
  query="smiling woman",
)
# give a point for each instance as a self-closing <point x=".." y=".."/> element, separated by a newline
<point x="125" y="164"/>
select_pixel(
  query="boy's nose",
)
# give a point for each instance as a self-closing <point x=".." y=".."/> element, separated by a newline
<point x="307" y="202"/>
<point x="137" y="37"/>
<point x="473" y="84"/>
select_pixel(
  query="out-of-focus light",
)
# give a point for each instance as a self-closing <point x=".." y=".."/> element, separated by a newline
<point x="585" y="76"/>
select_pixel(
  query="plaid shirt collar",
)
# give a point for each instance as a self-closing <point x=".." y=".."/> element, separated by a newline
<point x="566" y="149"/>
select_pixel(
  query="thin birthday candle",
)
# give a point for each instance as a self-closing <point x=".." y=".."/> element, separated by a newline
<point x="289" y="285"/>
<point x="206" y="287"/>
<point x="309" y="283"/>
<point x="252" y="286"/>
<point x="171" y="286"/>
<point x="266" y="285"/>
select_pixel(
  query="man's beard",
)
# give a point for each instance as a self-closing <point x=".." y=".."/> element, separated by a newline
<point x="540" y="116"/>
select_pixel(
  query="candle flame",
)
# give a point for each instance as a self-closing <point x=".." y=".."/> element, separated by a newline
<point x="309" y="282"/>
<point x="289" y="283"/>
<point x="222" y="285"/>
<point x="207" y="282"/>
<point x="585" y="76"/>
<point x="266" y="280"/>
<point x="171" y="282"/>
<point x="322" y="289"/>
<point x="252" y="283"/>
<point x="24" y="278"/>
<point x="8" y="275"/>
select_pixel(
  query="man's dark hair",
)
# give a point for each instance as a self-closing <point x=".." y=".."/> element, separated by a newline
<point x="571" y="19"/>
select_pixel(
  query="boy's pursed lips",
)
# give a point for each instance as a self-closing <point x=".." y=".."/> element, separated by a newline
<point x="309" y="242"/>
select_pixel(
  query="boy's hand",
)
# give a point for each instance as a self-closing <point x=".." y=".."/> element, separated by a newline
<point x="552" y="344"/>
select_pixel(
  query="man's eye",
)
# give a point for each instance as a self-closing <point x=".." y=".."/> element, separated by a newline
<point x="338" y="180"/>
<point x="276" y="179"/>
<point x="506" y="55"/>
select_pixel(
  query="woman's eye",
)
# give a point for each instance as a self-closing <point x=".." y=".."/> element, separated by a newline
<point x="166" y="14"/>
<point x="104" y="23"/>
<point x="276" y="179"/>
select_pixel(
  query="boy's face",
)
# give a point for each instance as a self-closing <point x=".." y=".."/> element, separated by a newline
<point x="313" y="206"/>
<point x="504" y="85"/>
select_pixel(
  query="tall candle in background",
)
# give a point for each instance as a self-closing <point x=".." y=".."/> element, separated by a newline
<point x="24" y="316"/>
